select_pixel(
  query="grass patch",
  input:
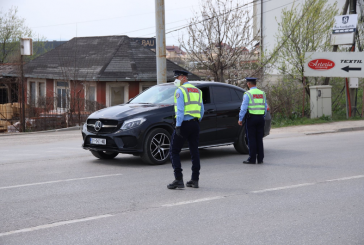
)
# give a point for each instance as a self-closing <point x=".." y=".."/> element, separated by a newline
<point x="279" y="122"/>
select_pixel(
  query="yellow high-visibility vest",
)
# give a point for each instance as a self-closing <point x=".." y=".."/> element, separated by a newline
<point x="257" y="101"/>
<point x="193" y="100"/>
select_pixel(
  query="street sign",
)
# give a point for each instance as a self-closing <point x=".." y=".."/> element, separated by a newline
<point x="345" y="23"/>
<point x="334" y="64"/>
<point x="344" y="29"/>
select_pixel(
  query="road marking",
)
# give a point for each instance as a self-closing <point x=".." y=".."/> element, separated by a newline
<point x="283" y="188"/>
<point x="346" y="178"/>
<point x="193" y="201"/>
<point x="57" y="181"/>
<point x="307" y="184"/>
<point x="41" y="227"/>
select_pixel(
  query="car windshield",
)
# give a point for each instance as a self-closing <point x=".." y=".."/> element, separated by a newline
<point x="159" y="94"/>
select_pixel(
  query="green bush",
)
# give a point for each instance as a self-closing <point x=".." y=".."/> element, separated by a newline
<point x="285" y="100"/>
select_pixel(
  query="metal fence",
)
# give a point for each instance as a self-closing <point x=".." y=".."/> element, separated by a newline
<point x="44" y="114"/>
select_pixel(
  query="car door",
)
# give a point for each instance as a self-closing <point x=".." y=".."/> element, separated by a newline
<point x="227" y="105"/>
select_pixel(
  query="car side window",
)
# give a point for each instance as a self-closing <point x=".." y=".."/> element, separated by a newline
<point x="205" y="95"/>
<point x="221" y="94"/>
<point x="234" y="95"/>
<point x="240" y="94"/>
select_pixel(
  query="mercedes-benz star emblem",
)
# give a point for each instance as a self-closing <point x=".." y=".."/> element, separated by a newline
<point x="98" y="125"/>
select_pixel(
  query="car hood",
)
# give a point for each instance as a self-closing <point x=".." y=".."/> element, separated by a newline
<point x="125" y="110"/>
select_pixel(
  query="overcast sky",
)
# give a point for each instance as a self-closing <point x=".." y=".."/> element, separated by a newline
<point x="65" y="19"/>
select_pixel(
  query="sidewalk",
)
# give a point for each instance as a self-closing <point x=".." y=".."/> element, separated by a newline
<point x="333" y="127"/>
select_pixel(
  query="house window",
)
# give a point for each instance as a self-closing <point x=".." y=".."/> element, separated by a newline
<point x="32" y="93"/>
<point x="145" y="85"/>
<point x="62" y="95"/>
<point x="90" y="96"/>
<point x="36" y="92"/>
<point x="42" y="94"/>
<point x="117" y="93"/>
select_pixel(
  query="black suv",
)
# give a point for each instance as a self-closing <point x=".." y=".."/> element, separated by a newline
<point x="144" y="125"/>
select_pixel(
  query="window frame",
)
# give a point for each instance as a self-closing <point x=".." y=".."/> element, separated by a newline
<point x="87" y="86"/>
<point x="56" y="87"/>
<point x="116" y="84"/>
<point x="37" y="82"/>
<point x="141" y="84"/>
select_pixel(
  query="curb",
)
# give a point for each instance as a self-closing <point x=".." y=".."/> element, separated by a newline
<point x="46" y="131"/>
<point x="340" y="130"/>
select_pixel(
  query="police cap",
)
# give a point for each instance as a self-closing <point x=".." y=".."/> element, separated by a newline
<point x="251" y="79"/>
<point x="179" y="73"/>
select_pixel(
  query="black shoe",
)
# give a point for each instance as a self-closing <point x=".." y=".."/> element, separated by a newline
<point x="176" y="184"/>
<point x="260" y="162"/>
<point x="248" y="162"/>
<point x="192" y="183"/>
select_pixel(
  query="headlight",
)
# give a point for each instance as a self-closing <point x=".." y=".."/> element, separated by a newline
<point x="132" y="123"/>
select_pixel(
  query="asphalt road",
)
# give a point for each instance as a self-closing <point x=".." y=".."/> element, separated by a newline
<point x="310" y="190"/>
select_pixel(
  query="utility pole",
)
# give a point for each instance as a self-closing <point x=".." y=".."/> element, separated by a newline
<point x="335" y="47"/>
<point x="26" y="48"/>
<point x="261" y="39"/>
<point x="353" y="91"/>
<point x="160" y="42"/>
<point x="22" y="95"/>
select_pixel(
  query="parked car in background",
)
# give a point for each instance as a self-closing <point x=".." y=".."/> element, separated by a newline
<point x="143" y="126"/>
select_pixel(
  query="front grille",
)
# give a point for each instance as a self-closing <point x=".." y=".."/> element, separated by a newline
<point x="108" y="126"/>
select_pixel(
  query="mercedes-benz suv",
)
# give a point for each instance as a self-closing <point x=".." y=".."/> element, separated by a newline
<point x="144" y="125"/>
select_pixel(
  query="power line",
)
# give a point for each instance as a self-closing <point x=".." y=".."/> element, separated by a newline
<point x="184" y="26"/>
<point x="245" y="5"/>
<point x="78" y="22"/>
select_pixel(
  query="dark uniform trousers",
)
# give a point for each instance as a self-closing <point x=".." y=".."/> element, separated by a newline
<point x="255" y="132"/>
<point x="190" y="131"/>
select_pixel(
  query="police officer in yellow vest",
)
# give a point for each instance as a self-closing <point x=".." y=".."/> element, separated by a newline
<point x="255" y="104"/>
<point x="189" y="111"/>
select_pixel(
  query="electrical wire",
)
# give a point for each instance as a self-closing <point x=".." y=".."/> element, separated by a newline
<point x="245" y="5"/>
<point x="87" y="21"/>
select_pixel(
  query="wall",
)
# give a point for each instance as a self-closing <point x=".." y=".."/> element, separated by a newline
<point x="133" y="89"/>
<point x="101" y="92"/>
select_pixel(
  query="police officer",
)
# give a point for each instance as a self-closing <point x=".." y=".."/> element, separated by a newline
<point x="255" y="104"/>
<point x="189" y="111"/>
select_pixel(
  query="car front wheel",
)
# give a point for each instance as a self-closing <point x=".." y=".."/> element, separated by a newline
<point x="156" y="147"/>
<point x="104" y="154"/>
<point x="241" y="145"/>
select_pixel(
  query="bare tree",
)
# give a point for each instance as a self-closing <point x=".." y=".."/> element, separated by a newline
<point x="217" y="42"/>
<point x="75" y="102"/>
<point x="12" y="28"/>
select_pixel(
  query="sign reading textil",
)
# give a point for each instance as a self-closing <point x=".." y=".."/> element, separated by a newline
<point x="334" y="64"/>
<point x="345" y="24"/>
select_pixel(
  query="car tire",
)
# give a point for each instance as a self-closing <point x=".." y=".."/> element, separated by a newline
<point x="241" y="145"/>
<point x="104" y="154"/>
<point x="156" y="147"/>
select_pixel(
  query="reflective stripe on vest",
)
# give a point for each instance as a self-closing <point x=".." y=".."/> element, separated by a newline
<point x="257" y="100"/>
<point x="192" y="106"/>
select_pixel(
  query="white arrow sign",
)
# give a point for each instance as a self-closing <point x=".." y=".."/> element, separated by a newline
<point x="334" y="64"/>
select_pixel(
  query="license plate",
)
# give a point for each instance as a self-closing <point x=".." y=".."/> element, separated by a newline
<point x="98" y="141"/>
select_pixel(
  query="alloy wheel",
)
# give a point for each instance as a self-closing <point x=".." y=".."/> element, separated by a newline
<point x="159" y="146"/>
